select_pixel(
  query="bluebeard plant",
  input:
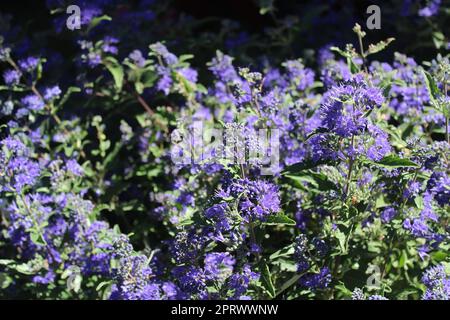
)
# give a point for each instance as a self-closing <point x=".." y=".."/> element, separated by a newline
<point x="131" y="170"/>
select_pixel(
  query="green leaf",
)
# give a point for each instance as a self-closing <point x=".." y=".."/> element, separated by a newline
<point x="342" y="239"/>
<point x="394" y="161"/>
<point x="185" y="222"/>
<point x="185" y="57"/>
<point x="285" y="252"/>
<point x="97" y="20"/>
<point x="266" y="279"/>
<point x="103" y="284"/>
<point x="341" y="52"/>
<point x="293" y="280"/>
<point x="5" y="262"/>
<point x="112" y="155"/>
<point x="352" y="65"/>
<point x="305" y="165"/>
<point x="374" y="48"/>
<point x="15" y="88"/>
<point x="148" y="78"/>
<point x="439" y="255"/>
<point x="343" y="289"/>
<point x="116" y="71"/>
<point x="25" y="269"/>
<point x="315" y="180"/>
<point x="438" y="39"/>
<point x="431" y="85"/>
<point x="66" y="96"/>
<point x="37" y="238"/>
<point x="280" y="219"/>
<point x="5" y="280"/>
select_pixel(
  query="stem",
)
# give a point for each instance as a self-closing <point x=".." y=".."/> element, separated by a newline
<point x="363" y="56"/>
<point x="242" y="171"/>
<point x="350" y="170"/>
<point x="144" y="105"/>
<point x="253" y="238"/>
<point x="149" y="110"/>
<point x="446" y="130"/>
<point x="447" y="136"/>
<point x="289" y="283"/>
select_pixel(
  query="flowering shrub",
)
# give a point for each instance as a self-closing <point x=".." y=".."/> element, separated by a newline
<point x="93" y="205"/>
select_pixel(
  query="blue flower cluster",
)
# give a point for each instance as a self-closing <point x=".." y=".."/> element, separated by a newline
<point x="93" y="204"/>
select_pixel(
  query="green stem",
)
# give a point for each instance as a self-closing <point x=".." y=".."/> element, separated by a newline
<point x="350" y="170"/>
<point x="447" y="136"/>
<point x="363" y="56"/>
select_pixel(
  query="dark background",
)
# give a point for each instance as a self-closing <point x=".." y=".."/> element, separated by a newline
<point x="319" y="22"/>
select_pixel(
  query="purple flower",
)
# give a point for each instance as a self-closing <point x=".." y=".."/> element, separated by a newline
<point x="74" y="168"/>
<point x="344" y="107"/>
<point x="430" y="9"/>
<point x="46" y="279"/>
<point x="260" y="198"/>
<point x="33" y="102"/>
<point x="316" y="281"/>
<point x="301" y="253"/>
<point x="109" y="45"/>
<point x="25" y="172"/>
<point x="439" y="186"/>
<point x="12" y="77"/>
<point x="218" y="266"/>
<point x="160" y="50"/>
<point x="300" y="76"/>
<point x="28" y="64"/>
<point x="388" y="214"/>
<point x="222" y="68"/>
<point x="189" y="73"/>
<point x="165" y="81"/>
<point x="170" y="290"/>
<point x="89" y="13"/>
<point x="238" y="283"/>
<point x="437" y="282"/>
<point x="381" y="146"/>
<point x="52" y="93"/>
<point x="137" y="58"/>
<point x="217" y="213"/>
<point x="192" y="280"/>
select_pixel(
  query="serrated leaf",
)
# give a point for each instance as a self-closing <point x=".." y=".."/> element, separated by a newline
<point x="374" y="48"/>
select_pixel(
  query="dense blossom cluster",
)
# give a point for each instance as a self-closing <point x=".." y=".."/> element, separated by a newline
<point x="92" y="205"/>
